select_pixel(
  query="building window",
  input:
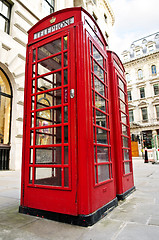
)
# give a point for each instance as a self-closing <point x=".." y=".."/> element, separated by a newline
<point x="5" y="13"/>
<point x="5" y="108"/>
<point x="129" y="96"/>
<point x="131" y="116"/>
<point x="153" y="69"/>
<point x="151" y="48"/>
<point x="156" y="89"/>
<point x="144" y="114"/>
<point x="142" y="93"/>
<point x="127" y="76"/>
<point x="140" y="74"/>
<point x="95" y="16"/>
<point x="48" y="6"/>
<point x="95" y="1"/>
<point x="157" y="111"/>
<point x="105" y="18"/>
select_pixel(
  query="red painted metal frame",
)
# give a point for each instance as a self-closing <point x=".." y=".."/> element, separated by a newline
<point x="124" y="181"/>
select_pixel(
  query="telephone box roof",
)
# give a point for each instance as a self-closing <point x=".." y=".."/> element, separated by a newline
<point x="54" y="20"/>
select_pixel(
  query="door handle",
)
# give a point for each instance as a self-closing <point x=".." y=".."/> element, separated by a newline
<point x="72" y="93"/>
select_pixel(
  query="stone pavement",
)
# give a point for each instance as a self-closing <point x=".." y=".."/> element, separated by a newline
<point x="135" y="218"/>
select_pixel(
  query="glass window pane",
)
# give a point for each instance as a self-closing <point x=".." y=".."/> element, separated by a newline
<point x="125" y="142"/>
<point x="65" y="76"/>
<point x="31" y="156"/>
<point x="48" y="136"/>
<point x="34" y="55"/>
<point x="121" y="84"/>
<point x="66" y="177"/>
<point x="65" y="155"/>
<point x="65" y="134"/>
<point x="123" y="118"/>
<point x="33" y="71"/>
<point x="4" y="84"/>
<point x="48" y="155"/>
<point x="49" y="49"/>
<point x="122" y="106"/>
<point x="126" y="154"/>
<point x="124" y="130"/>
<point x="48" y="176"/>
<point x="49" y="65"/>
<point x="103" y="173"/>
<point x="48" y="117"/>
<point x="102" y="154"/>
<point x="5" y="10"/>
<point x="127" y="167"/>
<point x="122" y="95"/>
<point x="101" y="119"/>
<point x="101" y="136"/>
<point x="100" y="102"/>
<point x="48" y="99"/>
<point x="65" y="39"/>
<point x="65" y="59"/>
<point x="97" y="56"/>
<point x="65" y="114"/>
<point x="49" y="81"/>
<point x="98" y="71"/>
<point x="5" y="108"/>
<point x="33" y="86"/>
<point x="31" y="138"/>
<point x="99" y="87"/>
<point x="30" y="175"/>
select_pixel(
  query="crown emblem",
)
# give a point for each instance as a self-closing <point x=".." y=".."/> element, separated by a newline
<point x="52" y="20"/>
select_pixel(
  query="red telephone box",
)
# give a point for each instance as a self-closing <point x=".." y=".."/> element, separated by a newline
<point x="121" y="125"/>
<point x="68" y="167"/>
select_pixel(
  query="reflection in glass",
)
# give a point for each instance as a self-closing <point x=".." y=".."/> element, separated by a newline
<point x="127" y="167"/>
<point x="31" y="137"/>
<point x="126" y="154"/>
<point x="47" y="99"/>
<point x="65" y="76"/>
<point x="30" y="175"/>
<point x="49" y="49"/>
<point x="65" y="114"/>
<point x="33" y="71"/>
<point x="100" y="119"/>
<point x="103" y="173"/>
<point x="102" y="154"/>
<point x="123" y="118"/>
<point x="48" y="117"/>
<point x="122" y="95"/>
<point x="48" y="136"/>
<point x="100" y="102"/>
<point x="48" y="176"/>
<point x="101" y="136"/>
<point x="66" y="155"/>
<point x="99" y="87"/>
<point x="66" y="177"/>
<point x="124" y="130"/>
<point x="97" y="56"/>
<point x="32" y="101"/>
<point x="125" y="142"/>
<point x="65" y="39"/>
<point x="65" y="134"/>
<point x="48" y="155"/>
<point x="65" y="59"/>
<point x="98" y="71"/>
<point x="33" y="86"/>
<point x="34" y="55"/>
<point x="48" y="82"/>
<point x="122" y="106"/>
<point x="31" y="156"/>
<point x="49" y="65"/>
<point x="121" y="84"/>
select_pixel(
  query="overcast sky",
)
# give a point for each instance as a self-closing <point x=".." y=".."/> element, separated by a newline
<point x="134" y="19"/>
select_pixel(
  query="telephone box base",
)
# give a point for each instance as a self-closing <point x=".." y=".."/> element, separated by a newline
<point x="80" y="220"/>
<point x="125" y="194"/>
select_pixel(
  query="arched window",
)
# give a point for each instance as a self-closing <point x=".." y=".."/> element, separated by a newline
<point x="5" y="108"/>
<point x="153" y="69"/>
<point x="140" y="74"/>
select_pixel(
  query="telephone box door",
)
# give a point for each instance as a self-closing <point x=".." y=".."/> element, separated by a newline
<point x="49" y="151"/>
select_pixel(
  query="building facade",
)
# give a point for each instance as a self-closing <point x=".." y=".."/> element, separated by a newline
<point x="16" y="18"/>
<point x="141" y="64"/>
